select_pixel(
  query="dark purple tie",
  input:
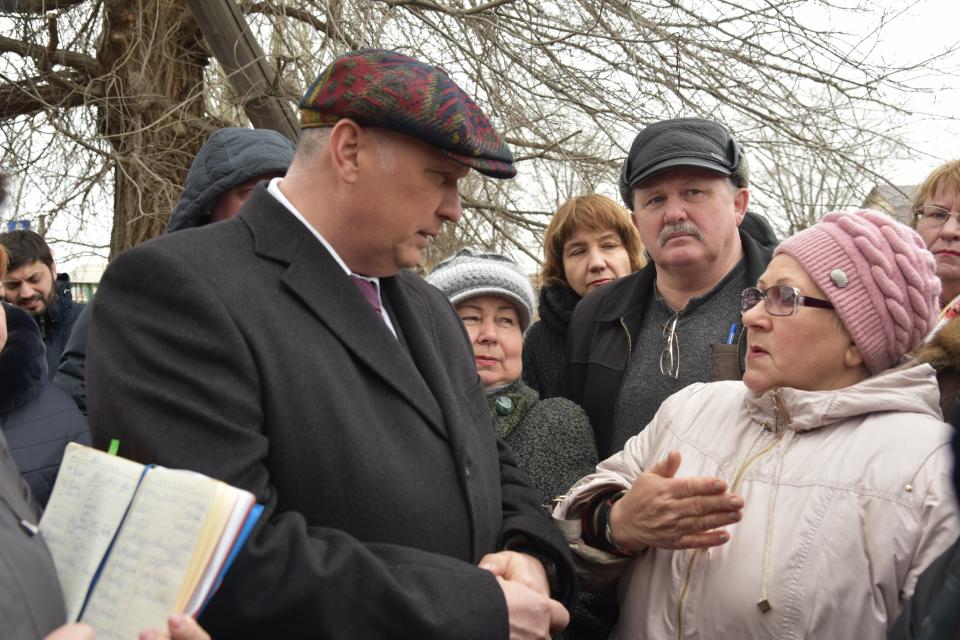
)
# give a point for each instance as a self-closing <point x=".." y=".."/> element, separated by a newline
<point x="369" y="291"/>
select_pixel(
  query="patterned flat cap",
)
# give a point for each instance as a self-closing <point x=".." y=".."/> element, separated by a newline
<point x="380" y="88"/>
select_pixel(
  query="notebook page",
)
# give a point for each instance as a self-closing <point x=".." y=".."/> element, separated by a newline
<point x="218" y="517"/>
<point x="243" y="502"/>
<point x="142" y="579"/>
<point x="91" y="494"/>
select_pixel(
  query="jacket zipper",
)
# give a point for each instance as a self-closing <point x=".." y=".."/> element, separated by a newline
<point x="626" y="368"/>
<point x="737" y="479"/>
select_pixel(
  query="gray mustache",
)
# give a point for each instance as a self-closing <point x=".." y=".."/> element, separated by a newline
<point x="684" y="227"/>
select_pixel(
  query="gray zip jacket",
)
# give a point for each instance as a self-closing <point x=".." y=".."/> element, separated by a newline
<point x="848" y="497"/>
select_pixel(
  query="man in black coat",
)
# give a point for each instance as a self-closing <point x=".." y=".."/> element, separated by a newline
<point x="289" y="352"/>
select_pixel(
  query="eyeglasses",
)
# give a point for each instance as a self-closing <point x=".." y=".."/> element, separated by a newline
<point x="933" y="216"/>
<point x="780" y="300"/>
<point x="670" y="356"/>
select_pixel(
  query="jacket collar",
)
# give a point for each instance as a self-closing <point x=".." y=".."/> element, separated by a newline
<point x="59" y="309"/>
<point x="909" y="387"/>
<point x="314" y="277"/>
<point x="509" y="405"/>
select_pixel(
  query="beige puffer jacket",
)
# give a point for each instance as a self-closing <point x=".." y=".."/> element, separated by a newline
<point x="848" y="497"/>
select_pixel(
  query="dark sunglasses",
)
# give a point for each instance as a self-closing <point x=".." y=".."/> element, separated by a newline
<point x="780" y="300"/>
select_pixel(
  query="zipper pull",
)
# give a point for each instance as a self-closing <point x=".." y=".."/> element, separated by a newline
<point x="29" y="527"/>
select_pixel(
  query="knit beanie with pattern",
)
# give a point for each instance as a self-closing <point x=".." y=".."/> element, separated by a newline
<point x="469" y="274"/>
<point x="879" y="276"/>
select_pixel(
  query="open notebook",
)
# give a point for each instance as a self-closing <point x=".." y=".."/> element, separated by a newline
<point x="133" y="543"/>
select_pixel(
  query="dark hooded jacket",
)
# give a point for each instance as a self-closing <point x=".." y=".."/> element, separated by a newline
<point x="230" y="156"/>
<point x="757" y="227"/>
<point x="38" y="419"/>
<point x="56" y="323"/>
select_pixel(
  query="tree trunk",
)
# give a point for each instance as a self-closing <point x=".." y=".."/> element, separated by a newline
<point x="153" y="114"/>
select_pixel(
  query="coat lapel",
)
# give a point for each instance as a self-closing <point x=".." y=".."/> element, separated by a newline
<point x="416" y="317"/>
<point x="315" y="278"/>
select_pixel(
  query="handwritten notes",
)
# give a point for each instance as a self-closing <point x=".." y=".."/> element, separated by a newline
<point x="88" y="502"/>
<point x="131" y="543"/>
<point x="143" y="578"/>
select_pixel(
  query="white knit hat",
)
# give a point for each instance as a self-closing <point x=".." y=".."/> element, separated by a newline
<point x="469" y="274"/>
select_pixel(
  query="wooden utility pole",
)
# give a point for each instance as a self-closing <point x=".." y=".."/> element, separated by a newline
<point x="233" y="44"/>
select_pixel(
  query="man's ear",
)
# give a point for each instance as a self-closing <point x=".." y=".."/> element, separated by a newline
<point x="741" y="199"/>
<point x="344" y="148"/>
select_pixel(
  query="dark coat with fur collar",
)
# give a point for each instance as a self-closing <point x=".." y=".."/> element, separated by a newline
<point x="37" y="418"/>
<point x="943" y="354"/>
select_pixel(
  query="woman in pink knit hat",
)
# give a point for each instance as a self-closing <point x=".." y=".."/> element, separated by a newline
<point x="804" y="501"/>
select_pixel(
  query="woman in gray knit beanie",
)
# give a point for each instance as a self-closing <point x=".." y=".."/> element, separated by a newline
<point x="551" y="439"/>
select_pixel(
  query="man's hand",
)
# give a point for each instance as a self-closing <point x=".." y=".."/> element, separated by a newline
<point x="532" y="615"/>
<point x="179" y="627"/>
<point x="517" y="567"/>
<point x="71" y="631"/>
<point x="524" y="582"/>
<point x="673" y="513"/>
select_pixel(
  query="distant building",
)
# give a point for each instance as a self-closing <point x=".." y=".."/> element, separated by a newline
<point x="84" y="280"/>
<point x="895" y="200"/>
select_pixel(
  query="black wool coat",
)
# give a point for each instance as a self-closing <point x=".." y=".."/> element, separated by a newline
<point x="242" y="350"/>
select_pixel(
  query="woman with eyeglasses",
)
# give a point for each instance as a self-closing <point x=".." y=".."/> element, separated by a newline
<point x="935" y="212"/>
<point x="804" y="501"/>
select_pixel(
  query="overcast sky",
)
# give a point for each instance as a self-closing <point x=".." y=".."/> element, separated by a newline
<point x="928" y="27"/>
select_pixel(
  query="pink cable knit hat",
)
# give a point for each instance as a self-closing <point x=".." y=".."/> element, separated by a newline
<point x="879" y="276"/>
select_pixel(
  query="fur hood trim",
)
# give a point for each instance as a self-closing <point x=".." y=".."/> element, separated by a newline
<point x="23" y="364"/>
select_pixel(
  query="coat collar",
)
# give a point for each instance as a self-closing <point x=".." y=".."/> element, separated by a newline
<point x="908" y="387"/>
<point x="557" y="302"/>
<point x="314" y="277"/>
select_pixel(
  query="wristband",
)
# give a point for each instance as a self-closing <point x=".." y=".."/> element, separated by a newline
<point x="617" y="549"/>
<point x="596" y="524"/>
